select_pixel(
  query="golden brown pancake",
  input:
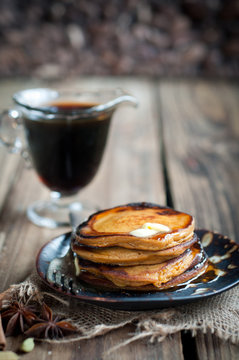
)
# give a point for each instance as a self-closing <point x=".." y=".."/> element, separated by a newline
<point x="142" y="275"/>
<point x="122" y="256"/>
<point x="188" y="275"/>
<point x="113" y="227"/>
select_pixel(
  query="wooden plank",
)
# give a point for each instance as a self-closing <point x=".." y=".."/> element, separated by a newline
<point x="130" y="172"/>
<point x="97" y="348"/>
<point x="10" y="164"/>
<point x="201" y="133"/>
<point x="210" y="347"/>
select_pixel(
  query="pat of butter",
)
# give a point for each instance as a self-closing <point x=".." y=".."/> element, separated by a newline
<point x="158" y="227"/>
<point x="149" y="229"/>
<point x="143" y="232"/>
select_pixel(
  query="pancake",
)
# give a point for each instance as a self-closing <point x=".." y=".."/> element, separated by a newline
<point x="143" y="275"/>
<point x="122" y="256"/>
<point x="189" y="275"/>
<point x="117" y="227"/>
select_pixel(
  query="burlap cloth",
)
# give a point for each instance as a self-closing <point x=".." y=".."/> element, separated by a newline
<point x="219" y="314"/>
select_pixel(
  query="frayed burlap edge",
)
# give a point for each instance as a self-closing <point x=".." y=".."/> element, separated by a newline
<point x="219" y="315"/>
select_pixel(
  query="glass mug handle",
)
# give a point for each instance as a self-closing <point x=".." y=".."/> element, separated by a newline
<point x="12" y="134"/>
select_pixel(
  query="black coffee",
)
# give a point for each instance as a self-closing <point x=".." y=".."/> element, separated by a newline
<point x="67" y="154"/>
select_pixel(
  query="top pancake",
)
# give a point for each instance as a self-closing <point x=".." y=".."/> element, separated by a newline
<point x="112" y="227"/>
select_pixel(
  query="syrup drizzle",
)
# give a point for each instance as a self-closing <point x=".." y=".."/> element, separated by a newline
<point x="218" y="258"/>
<point x="211" y="274"/>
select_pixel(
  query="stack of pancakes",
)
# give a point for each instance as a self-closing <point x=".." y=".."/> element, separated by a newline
<point x="138" y="246"/>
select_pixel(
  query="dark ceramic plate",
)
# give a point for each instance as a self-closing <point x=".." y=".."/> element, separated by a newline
<point x="54" y="265"/>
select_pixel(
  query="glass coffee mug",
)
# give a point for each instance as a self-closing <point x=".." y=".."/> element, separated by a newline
<point x="63" y="135"/>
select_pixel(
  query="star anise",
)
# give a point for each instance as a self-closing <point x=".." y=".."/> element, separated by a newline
<point x="47" y="327"/>
<point x="16" y="317"/>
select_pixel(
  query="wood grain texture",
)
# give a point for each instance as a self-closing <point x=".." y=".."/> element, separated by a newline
<point x="130" y="171"/>
<point x="209" y="347"/>
<point x="9" y="163"/>
<point x="200" y="124"/>
<point x="97" y="348"/>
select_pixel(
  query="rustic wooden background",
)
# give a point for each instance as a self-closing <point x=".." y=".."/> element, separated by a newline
<point x="180" y="148"/>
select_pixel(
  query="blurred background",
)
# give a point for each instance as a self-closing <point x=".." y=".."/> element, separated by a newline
<point x="52" y="39"/>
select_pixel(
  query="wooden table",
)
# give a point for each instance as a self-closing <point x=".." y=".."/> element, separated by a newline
<point x="180" y="148"/>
